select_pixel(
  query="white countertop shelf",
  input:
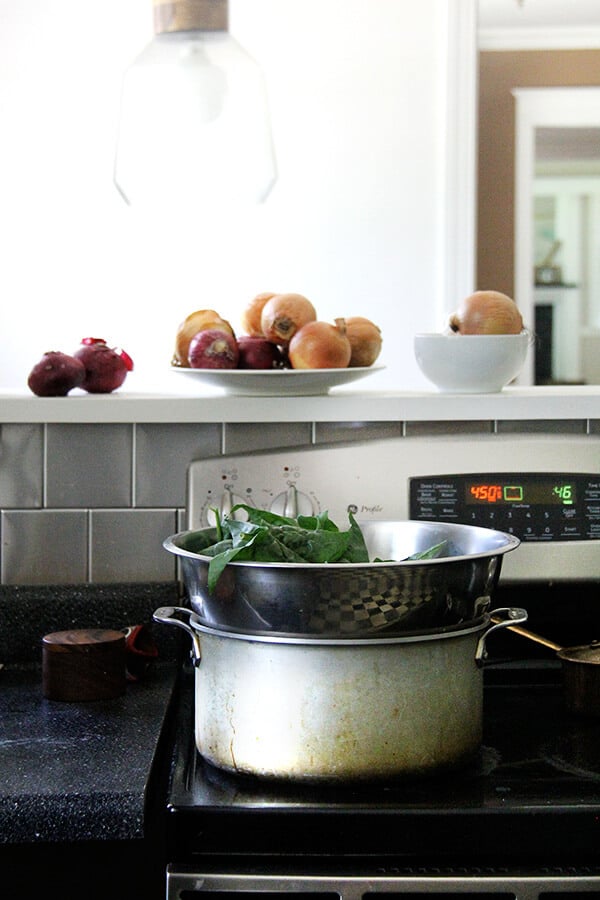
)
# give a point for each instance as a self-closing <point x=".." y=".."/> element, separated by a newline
<point x="340" y="405"/>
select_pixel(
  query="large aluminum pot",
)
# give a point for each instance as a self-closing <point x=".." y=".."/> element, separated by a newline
<point x="351" y="599"/>
<point x="333" y="710"/>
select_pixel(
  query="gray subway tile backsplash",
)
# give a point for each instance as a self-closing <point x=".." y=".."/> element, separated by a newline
<point x="126" y="545"/>
<point x="162" y="455"/>
<point x="93" y="503"/>
<point x="543" y="426"/>
<point x="330" y="432"/>
<point x="247" y="437"/>
<point x="44" y="547"/>
<point x="21" y="466"/>
<point x="89" y="465"/>
<point x="417" y="429"/>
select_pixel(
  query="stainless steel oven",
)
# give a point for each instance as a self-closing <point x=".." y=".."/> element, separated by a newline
<point x="522" y="820"/>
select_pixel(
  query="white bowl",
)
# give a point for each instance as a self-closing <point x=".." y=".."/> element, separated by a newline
<point x="471" y="363"/>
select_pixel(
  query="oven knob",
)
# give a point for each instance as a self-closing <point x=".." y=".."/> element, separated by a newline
<point x="292" y="503"/>
<point x="227" y="502"/>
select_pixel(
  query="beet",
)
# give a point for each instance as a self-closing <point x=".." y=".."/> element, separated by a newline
<point x="105" y="369"/>
<point x="56" y="374"/>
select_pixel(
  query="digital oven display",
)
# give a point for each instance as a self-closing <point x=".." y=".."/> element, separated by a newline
<point x="546" y="493"/>
<point x="534" y="506"/>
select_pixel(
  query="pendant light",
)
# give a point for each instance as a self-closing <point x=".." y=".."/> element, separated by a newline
<point x="194" y="129"/>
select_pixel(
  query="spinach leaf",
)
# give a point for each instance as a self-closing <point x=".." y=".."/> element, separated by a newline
<point x="268" y="537"/>
<point x="431" y="552"/>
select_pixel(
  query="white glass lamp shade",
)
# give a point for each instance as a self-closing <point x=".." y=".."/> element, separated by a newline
<point x="194" y="126"/>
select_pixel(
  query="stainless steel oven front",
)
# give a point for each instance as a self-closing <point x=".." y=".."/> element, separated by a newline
<point x="543" y="488"/>
<point x="523" y="821"/>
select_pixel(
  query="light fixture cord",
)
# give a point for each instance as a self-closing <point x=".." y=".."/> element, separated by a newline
<point x="190" y="15"/>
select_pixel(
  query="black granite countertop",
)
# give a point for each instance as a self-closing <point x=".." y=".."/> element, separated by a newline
<point x="78" y="771"/>
<point x="82" y="783"/>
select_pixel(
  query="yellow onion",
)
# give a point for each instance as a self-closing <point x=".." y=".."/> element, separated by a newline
<point x="283" y="315"/>
<point x="251" y="315"/>
<point x="365" y="340"/>
<point x="487" y="312"/>
<point x="320" y="345"/>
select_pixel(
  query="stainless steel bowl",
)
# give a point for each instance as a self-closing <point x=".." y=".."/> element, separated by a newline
<point x="351" y="599"/>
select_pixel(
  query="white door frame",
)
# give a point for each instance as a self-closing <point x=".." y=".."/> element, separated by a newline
<point x="554" y="107"/>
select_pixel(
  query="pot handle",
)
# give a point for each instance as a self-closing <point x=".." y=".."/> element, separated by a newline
<point x="502" y="618"/>
<point x="168" y="615"/>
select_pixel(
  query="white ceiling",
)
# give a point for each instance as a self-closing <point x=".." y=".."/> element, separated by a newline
<point x="538" y="24"/>
<point x="567" y="151"/>
<point x="538" y="13"/>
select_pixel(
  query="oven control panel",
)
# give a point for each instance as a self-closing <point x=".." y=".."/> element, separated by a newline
<point x="544" y="488"/>
<point x="549" y="506"/>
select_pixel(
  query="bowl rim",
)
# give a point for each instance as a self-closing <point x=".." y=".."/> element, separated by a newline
<point x="437" y="335"/>
<point x="510" y="542"/>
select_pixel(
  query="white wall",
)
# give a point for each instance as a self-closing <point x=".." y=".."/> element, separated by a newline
<point x="358" y="220"/>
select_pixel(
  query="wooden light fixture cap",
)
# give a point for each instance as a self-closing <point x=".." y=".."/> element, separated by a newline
<point x="190" y="15"/>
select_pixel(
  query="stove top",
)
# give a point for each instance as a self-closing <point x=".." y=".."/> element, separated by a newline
<point x="522" y="818"/>
<point x="529" y="798"/>
<point x="532" y="793"/>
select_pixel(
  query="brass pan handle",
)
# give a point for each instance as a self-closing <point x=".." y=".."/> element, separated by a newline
<point x="530" y="635"/>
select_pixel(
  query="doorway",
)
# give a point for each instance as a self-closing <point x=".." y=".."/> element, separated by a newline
<point x="557" y="228"/>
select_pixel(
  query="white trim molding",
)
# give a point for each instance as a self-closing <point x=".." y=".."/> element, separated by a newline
<point x="539" y="107"/>
<point x="461" y="152"/>
<point x="568" y="38"/>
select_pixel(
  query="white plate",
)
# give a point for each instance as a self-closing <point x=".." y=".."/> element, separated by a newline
<point x="274" y="382"/>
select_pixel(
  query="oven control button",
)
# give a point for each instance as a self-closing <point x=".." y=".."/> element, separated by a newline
<point x="292" y="503"/>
